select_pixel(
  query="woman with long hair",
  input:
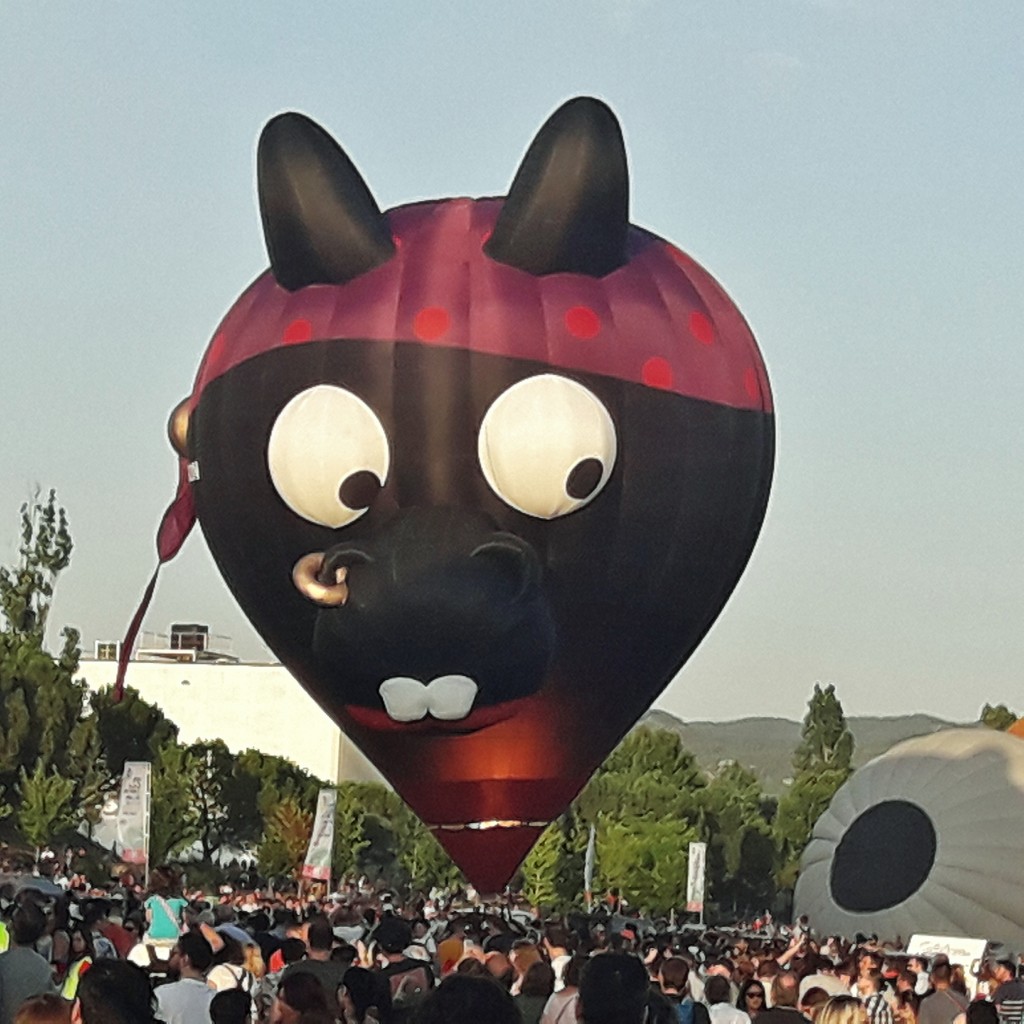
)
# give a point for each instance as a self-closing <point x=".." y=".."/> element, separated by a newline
<point x="752" y="997"/>
<point x="80" y="958"/>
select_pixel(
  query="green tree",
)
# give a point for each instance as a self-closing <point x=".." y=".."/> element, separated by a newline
<point x="131" y="729"/>
<point x="552" y="873"/>
<point x="823" y="762"/>
<point x="45" y="808"/>
<point x="647" y="803"/>
<point x="173" y="819"/>
<point x="998" y="717"/>
<point x="41" y="703"/>
<point x="286" y="837"/>
<point x="349" y="840"/>
<point x="738" y="833"/>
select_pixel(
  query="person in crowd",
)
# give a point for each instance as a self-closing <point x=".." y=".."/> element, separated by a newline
<point x="296" y="995"/>
<point x="292" y="951"/>
<point x="945" y="1004"/>
<point x="462" y="999"/>
<point x="229" y="970"/>
<point x="812" y="1001"/>
<point x="871" y="988"/>
<point x="614" y="990"/>
<point x="842" y="1010"/>
<point x="48" y="1009"/>
<point x="752" y="998"/>
<point x="404" y="981"/>
<point x="904" y="1010"/>
<point x="1007" y="991"/>
<point x="718" y="998"/>
<point x="187" y="999"/>
<point x="919" y="965"/>
<point x="81" y="957"/>
<point x="785" y="1001"/>
<point x="537" y="986"/>
<point x="329" y="973"/>
<point x="114" y="992"/>
<point x="673" y="977"/>
<point x="357" y="997"/>
<point x="231" y="1006"/>
<point x="23" y="972"/>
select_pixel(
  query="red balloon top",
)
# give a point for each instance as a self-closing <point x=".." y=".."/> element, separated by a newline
<point x="660" y="320"/>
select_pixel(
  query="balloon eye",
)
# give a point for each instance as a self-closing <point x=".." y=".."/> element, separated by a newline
<point x="328" y="455"/>
<point x="547" y="446"/>
<point x="359" y="489"/>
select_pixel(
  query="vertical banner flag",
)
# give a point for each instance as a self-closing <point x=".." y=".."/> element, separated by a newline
<point x="588" y="866"/>
<point x="321" y="843"/>
<point x="133" y="813"/>
<point x="695" y="877"/>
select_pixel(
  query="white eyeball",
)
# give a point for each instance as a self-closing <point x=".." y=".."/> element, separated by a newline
<point x="547" y="446"/>
<point x="328" y="455"/>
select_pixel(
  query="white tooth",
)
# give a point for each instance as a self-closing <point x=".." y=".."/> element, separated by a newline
<point x="451" y="697"/>
<point x="405" y="700"/>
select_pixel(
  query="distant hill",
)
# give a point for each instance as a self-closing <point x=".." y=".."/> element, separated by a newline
<point x="766" y="745"/>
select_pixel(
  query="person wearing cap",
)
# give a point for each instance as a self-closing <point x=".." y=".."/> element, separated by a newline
<point x="1008" y="995"/>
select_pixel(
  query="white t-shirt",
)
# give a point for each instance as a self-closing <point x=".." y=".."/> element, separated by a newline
<point x="184" y="1002"/>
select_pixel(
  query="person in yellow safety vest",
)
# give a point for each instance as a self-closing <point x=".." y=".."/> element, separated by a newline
<point x="82" y="956"/>
<point x="5" y="938"/>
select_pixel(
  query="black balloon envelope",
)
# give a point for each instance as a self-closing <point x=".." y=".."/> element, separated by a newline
<point x="482" y="473"/>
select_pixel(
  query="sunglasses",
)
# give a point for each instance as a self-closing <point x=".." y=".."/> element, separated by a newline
<point x="755" y="995"/>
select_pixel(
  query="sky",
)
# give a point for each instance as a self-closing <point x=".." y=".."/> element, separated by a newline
<point x="850" y="170"/>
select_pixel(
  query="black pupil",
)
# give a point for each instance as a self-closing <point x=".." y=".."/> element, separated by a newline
<point x="584" y="478"/>
<point x="359" y="489"/>
<point x="884" y="857"/>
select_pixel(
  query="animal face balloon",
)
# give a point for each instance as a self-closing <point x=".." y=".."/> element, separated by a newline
<point x="481" y="473"/>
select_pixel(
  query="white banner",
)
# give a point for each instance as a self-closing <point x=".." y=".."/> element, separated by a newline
<point x="321" y="843"/>
<point x="588" y="865"/>
<point x="133" y="813"/>
<point x="695" y="863"/>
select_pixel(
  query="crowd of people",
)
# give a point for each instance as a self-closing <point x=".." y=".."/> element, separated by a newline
<point x="129" y="954"/>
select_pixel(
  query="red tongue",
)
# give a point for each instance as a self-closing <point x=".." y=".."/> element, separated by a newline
<point x="489" y="856"/>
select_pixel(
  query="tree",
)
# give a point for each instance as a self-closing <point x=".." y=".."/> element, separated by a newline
<point x="998" y="717"/>
<point x="349" y="840"/>
<point x="173" y="820"/>
<point x="286" y="838"/>
<point x="553" y="869"/>
<point x="823" y="761"/>
<point x="41" y="703"/>
<point x="740" y="850"/>
<point x="646" y="801"/>
<point x="131" y="729"/>
<point x="45" y="805"/>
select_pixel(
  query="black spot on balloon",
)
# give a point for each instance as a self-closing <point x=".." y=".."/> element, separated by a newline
<point x="884" y="858"/>
<point x="584" y="478"/>
<point x="359" y="489"/>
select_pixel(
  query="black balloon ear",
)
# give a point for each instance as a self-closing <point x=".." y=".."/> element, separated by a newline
<point x="321" y="224"/>
<point x="568" y="207"/>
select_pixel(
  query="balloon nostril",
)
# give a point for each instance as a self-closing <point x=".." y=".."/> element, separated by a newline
<point x="514" y="559"/>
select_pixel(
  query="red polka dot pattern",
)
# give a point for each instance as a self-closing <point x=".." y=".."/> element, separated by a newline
<point x="702" y="328"/>
<point x="431" y="323"/>
<point x="582" y="322"/>
<point x="657" y="373"/>
<point x="298" y="331"/>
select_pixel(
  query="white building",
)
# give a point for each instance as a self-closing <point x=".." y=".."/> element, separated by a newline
<point x="209" y="694"/>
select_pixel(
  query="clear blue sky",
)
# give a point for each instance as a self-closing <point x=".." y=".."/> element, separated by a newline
<point x="851" y="170"/>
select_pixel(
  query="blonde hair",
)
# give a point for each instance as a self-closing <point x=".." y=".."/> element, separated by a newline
<point x="842" y="1010"/>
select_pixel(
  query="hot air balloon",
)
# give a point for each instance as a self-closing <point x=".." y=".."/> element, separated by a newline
<point x="482" y="473"/>
<point x="924" y="838"/>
